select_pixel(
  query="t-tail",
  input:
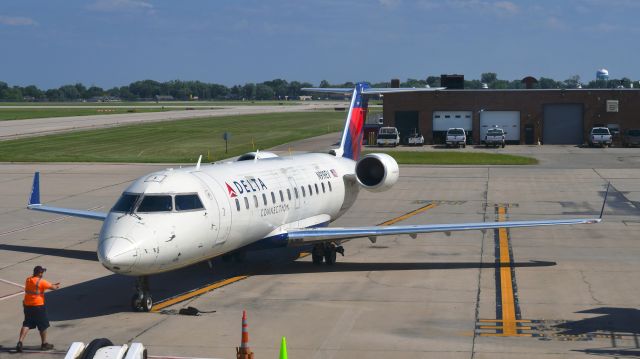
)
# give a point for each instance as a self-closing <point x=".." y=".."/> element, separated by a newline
<point x="352" y="135"/>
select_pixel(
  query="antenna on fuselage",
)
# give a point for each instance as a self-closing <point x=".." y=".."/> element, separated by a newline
<point x="198" y="164"/>
<point x="255" y="159"/>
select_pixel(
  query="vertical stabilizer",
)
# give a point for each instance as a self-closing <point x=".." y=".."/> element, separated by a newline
<point x="351" y="143"/>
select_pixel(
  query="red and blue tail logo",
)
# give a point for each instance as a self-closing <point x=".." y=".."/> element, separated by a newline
<point x="352" y="136"/>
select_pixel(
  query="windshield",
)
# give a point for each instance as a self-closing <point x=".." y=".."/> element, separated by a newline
<point x="600" y="131"/>
<point x="389" y="136"/>
<point x="456" y="132"/>
<point x="125" y="203"/>
<point x="388" y="130"/>
<point x="633" y="132"/>
<point x="188" y="202"/>
<point x="154" y="203"/>
<point x="494" y="133"/>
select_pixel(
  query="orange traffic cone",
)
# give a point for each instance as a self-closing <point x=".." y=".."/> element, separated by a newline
<point x="244" y="352"/>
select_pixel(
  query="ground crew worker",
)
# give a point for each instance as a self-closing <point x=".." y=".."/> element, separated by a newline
<point x="35" y="312"/>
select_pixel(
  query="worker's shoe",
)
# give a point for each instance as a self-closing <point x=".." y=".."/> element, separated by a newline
<point x="46" y="346"/>
<point x="19" y="347"/>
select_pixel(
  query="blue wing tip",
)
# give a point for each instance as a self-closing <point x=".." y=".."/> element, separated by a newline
<point x="35" y="190"/>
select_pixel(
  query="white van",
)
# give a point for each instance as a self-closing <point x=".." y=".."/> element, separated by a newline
<point x="388" y="136"/>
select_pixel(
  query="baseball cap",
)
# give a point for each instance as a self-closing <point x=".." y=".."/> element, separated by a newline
<point x="39" y="269"/>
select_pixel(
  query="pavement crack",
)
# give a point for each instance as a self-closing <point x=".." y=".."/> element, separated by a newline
<point x="589" y="288"/>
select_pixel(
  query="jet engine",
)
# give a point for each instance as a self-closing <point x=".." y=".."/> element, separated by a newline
<point x="377" y="172"/>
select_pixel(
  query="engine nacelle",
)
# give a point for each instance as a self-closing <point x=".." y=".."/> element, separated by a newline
<point x="377" y="172"/>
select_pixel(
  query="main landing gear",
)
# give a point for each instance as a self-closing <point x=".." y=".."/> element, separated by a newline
<point x="141" y="300"/>
<point x="326" y="252"/>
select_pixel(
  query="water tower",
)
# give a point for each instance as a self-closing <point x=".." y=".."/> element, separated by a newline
<point x="602" y="74"/>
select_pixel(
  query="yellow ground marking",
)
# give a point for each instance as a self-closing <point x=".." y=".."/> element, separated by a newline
<point x="171" y="301"/>
<point x="181" y="298"/>
<point x="503" y="335"/>
<point x="506" y="284"/>
<point x="407" y="215"/>
<point x="500" y="321"/>
<point x="499" y="327"/>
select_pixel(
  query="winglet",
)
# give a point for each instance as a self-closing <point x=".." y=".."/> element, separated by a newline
<point x="34" y="200"/>
<point x="606" y="194"/>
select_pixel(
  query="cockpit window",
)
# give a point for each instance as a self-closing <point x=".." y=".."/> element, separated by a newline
<point x="126" y="203"/>
<point x="188" y="202"/>
<point x="154" y="203"/>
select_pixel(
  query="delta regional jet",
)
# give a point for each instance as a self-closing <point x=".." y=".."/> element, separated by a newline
<point x="177" y="217"/>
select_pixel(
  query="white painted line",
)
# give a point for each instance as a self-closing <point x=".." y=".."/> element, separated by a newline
<point x="12" y="283"/>
<point x="11" y="295"/>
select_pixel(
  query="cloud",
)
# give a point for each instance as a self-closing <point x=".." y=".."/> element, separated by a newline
<point x="121" y="5"/>
<point x="555" y="23"/>
<point x="497" y="7"/>
<point x="16" y="21"/>
<point x="506" y="7"/>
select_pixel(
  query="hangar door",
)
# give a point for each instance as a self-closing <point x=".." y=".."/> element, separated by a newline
<point x="443" y="120"/>
<point x="563" y="124"/>
<point x="509" y="121"/>
<point x="406" y="123"/>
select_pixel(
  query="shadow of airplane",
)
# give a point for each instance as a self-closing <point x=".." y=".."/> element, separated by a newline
<point x="112" y="293"/>
<point x="615" y="322"/>
<point x="56" y="252"/>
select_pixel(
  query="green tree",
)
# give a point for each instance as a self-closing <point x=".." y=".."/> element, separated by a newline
<point x="264" y="92"/>
<point x="489" y="78"/>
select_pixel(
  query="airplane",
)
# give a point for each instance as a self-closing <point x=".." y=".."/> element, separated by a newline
<point x="175" y="218"/>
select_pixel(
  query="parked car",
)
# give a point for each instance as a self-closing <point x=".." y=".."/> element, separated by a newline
<point x="631" y="138"/>
<point x="456" y="137"/>
<point x="415" y="139"/>
<point x="388" y="136"/>
<point x="600" y="136"/>
<point x="494" y="137"/>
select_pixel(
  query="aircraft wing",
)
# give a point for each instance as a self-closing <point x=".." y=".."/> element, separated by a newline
<point x="316" y="235"/>
<point x="34" y="204"/>
<point x="372" y="90"/>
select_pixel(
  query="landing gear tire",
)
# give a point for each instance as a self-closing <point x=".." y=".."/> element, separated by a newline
<point x="141" y="300"/>
<point x="317" y="254"/>
<point x="316" y="258"/>
<point x="330" y="255"/>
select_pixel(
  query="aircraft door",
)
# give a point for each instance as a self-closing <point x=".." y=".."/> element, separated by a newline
<point x="222" y="203"/>
<point x="214" y="210"/>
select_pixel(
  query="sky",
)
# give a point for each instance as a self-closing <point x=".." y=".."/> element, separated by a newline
<point x="109" y="43"/>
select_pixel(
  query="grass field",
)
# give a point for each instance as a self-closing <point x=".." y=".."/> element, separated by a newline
<point x="151" y="103"/>
<point x="458" y="158"/>
<point x="173" y="141"/>
<point x="7" y="114"/>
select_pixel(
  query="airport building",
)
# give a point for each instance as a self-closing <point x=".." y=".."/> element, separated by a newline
<point x="556" y="116"/>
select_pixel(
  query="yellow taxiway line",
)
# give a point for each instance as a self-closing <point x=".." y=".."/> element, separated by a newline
<point x="181" y="298"/>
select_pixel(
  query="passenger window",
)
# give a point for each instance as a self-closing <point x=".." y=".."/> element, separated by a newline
<point x="315" y="184"/>
<point x="188" y="202"/>
<point x="310" y="191"/>
<point x="273" y="198"/>
<point x="237" y="205"/>
<point x="304" y="194"/>
<point x="246" y="202"/>
<point x="330" y="189"/>
<point x="281" y="196"/>
<point x="255" y="201"/>
<point x="264" y="199"/>
<point x="295" y="191"/>
<point x="289" y="194"/>
<point x="322" y="187"/>
<point x="155" y="204"/>
<point x="126" y="203"/>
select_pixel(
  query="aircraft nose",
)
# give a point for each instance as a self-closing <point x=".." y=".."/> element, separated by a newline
<point x="118" y="254"/>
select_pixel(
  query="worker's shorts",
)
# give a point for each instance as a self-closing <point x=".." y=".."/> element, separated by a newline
<point x="36" y="316"/>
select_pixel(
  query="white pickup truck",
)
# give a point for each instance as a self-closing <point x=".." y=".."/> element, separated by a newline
<point x="388" y="136"/>
<point x="456" y="137"/>
<point x="494" y="137"/>
<point x="600" y="136"/>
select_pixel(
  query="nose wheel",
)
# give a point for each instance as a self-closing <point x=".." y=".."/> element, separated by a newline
<point x="141" y="300"/>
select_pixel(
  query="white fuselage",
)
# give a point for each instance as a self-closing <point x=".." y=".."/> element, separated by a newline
<point x="244" y="203"/>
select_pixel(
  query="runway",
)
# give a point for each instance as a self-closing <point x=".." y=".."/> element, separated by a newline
<point x="41" y="126"/>
<point x="558" y="292"/>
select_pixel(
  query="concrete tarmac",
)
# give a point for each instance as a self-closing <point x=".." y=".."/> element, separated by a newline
<point x="571" y="292"/>
<point x="41" y="126"/>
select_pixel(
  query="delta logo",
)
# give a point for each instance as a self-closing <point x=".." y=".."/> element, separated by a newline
<point x="245" y="186"/>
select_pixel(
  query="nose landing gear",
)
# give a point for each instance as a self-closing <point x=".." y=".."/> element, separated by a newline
<point x="141" y="300"/>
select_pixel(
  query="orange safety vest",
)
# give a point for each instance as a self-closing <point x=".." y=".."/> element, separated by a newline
<point x="34" y="291"/>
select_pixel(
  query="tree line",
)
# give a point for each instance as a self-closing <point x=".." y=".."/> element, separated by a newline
<point x="277" y="89"/>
